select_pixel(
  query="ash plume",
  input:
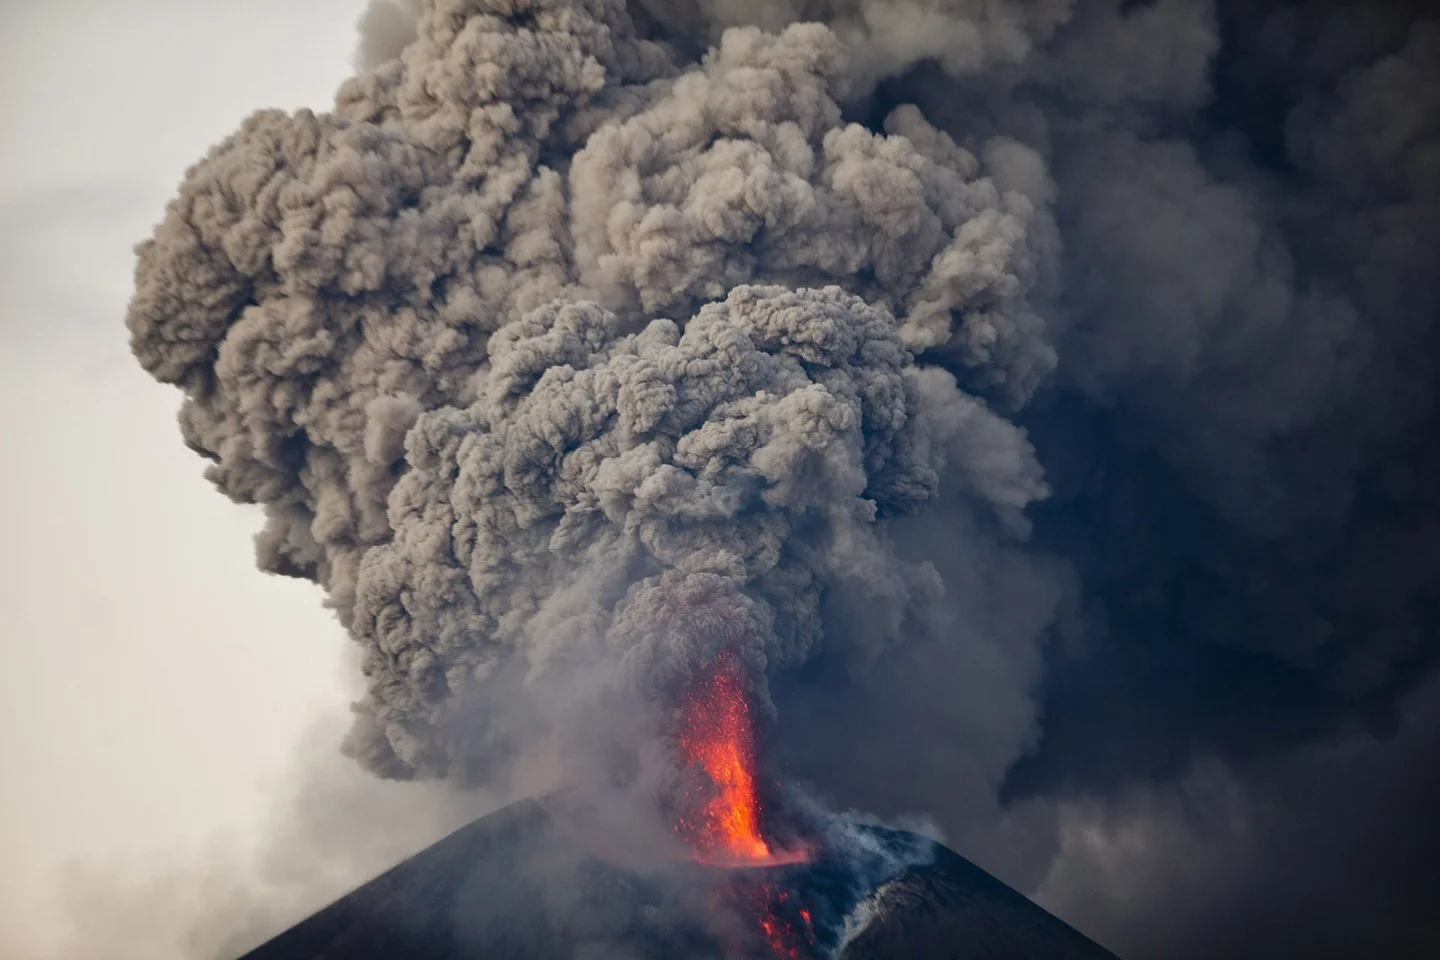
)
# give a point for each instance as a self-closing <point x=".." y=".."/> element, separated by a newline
<point x="494" y="403"/>
<point x="1038" y="396"/>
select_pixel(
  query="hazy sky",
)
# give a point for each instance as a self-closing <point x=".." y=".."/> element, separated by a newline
<point x="135" y="623"/>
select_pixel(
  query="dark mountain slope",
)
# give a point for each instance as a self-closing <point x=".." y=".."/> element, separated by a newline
<point x="509" y="886"/>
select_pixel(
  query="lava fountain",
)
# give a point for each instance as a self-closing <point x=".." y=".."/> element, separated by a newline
<point x="722" y="820"/>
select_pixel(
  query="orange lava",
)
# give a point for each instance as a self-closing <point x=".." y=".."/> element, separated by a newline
<point x="784" y="937"/>
<point x="722" y="823"/>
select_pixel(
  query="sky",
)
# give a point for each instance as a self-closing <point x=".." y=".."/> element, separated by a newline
<point x="136" y="631"/>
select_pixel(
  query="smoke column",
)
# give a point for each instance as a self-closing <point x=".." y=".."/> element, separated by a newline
<point x="1038" y="398"/>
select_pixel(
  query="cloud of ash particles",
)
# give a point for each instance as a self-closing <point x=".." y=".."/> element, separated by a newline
<point x="1038" y="397"/>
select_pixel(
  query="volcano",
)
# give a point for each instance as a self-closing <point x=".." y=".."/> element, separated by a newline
<point x="514" y="885"/>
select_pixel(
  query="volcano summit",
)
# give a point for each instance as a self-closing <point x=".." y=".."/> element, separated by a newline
<point x="512" y="886"/>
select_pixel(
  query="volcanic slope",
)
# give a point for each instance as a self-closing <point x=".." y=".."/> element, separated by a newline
<point x="510" y="885"/>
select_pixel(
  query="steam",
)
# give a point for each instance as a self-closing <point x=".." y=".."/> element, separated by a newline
<point x="1038" y="397"/>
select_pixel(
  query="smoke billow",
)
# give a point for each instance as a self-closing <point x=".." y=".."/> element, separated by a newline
<point x="551" y="361"/>
<point x="1039" y="397"/>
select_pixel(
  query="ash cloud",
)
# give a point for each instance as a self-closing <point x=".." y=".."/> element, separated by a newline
<point x="1039" y="396"/>
<point x="534" y="367"/>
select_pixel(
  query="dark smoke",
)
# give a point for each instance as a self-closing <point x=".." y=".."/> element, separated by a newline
<point x="1040" y="397"/>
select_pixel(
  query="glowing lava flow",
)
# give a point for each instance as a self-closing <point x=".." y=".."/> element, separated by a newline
<point x="722" y="823"/>
<point x="722" y="818"/>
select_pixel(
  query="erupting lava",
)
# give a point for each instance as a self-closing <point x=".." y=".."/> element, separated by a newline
<point x="722" y="824"/>
<point x="722" y="818"/>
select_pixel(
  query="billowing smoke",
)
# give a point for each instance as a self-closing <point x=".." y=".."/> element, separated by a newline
<point x="562" y="357"/>
<point x="1038" y="396"/>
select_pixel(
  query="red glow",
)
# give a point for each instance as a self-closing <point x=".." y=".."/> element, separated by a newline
<point x="777" y="937"/>
<point x="784" y="937"/>
<point x="722" y="820"/>
<point x="722" y="824"/>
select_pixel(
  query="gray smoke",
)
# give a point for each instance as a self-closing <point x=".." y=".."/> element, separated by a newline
<point x="1039" y="396"/>
<point x="513" y="371"/>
